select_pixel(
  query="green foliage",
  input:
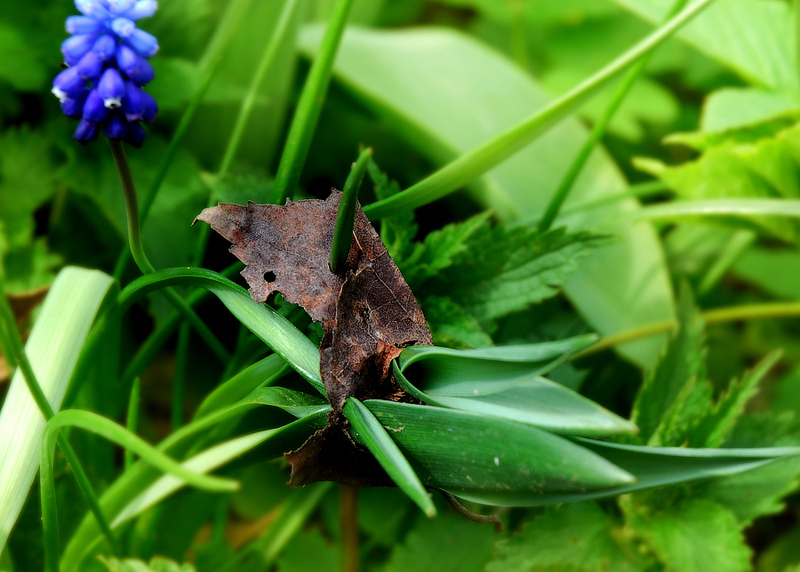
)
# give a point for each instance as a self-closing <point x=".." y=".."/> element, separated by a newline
<point x="156" y="564"/>
<point x="705" y="484"/>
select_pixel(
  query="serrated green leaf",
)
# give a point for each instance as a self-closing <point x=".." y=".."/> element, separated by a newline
<point x="440" y="250"/>
<point x="505" y="270"/>
<point x="764" y="169"/>
<point x="473" y="455"/>
<point x="681" y="362"/>
<point x="397" y="231"/>
<point x="448" y="543"/>
<point x="713" y="425"/>
<point x="451" y="326"/>
<point x="577" y="537"/>
<point x="694" y="536"/>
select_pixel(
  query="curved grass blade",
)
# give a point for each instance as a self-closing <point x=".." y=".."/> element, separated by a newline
<point x="267" y="325"/>
<point x="240" y="385"/>
<point x="113" y="432"/>
<point x="470" y="454"/>
<point x="387" y="453"/>
<point x="210" y="459"/>
<point x="533" y="400"/>
<point x="134" y="481"/>
<point x="719" y="207"/>
<point x="653" y="467"/>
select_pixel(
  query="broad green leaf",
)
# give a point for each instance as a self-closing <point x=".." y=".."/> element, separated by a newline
<point x="449" y="543"/>
<point x="24" y="68"/>
<point x="474" y="455"/>
<point x="505" y="270"/>
<point x="752" y="37"/>
<point x="53" y="349"/>
<point x="461" y="372"/>
<point x="621" y="286"/>
<point x="737" y="108"/>
<point x="693" y="536"/>
<point x="680" y="363"/>
<point x="575" y="536"/>
<point x="528" y="399"/>
<point x="294" y="402"/>
<point x="776" y="272"/>
<point x="385" y="451"/>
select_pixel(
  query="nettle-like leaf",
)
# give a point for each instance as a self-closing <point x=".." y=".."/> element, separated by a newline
<point x="577" y="537"/>
<point x="446" y="544"/>
<point x="681" y="363"/>
<point x="451" y="326"/>
<point x="763" y="168"/>
<point x="506" y="269"/>
<point x="693" y="536"/>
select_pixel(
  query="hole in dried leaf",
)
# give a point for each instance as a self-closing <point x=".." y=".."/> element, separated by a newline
<point x="269" y="277"/>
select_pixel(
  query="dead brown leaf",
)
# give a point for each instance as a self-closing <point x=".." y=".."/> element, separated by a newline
<point x="367" y="311"/>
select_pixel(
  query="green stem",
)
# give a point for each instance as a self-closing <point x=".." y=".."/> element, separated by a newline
<point x="132" y="419"/>
<point x="475" y="163"/>
<point x="267" y="58"/>
<point x="597" y="132"/>
<point x="131" y="206"/>
<point x="16" y="355"/>
<point x="717" y="316"/>
<point x="139" y="256"/>
<point x="345" y="217"/>
<point x="309" y="107"/>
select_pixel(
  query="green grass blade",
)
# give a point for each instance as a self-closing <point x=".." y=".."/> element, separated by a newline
<point x="387" y="453"/>
<point x="309" y="107"/>
<point x="113" y="432"/>
<point x="346" y="216"/>
<point x="269" y="326"/>
<point x="241" y="384"/>
<point x="210" y="459"/>
<point x="719" y="207"/>
<point x="473" y="164"/>
<point x="52" y="349"/>
<point x="142" y="475"/>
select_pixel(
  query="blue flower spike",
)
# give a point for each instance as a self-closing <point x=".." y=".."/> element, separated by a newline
<point x="106" y="58"/>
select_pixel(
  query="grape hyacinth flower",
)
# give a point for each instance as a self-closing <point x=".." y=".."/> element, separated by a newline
<point x="106" y="59"/>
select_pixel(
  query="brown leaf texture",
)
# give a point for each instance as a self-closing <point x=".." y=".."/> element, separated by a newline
<point x="368" y="311"/>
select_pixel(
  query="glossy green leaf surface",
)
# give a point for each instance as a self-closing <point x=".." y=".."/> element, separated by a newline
<point x="621" y="286"/>
<point x="380" y="444"/>
<point x="269" y="326"/>
<point x="473" y="455"/>
<point x="653" y="467"/>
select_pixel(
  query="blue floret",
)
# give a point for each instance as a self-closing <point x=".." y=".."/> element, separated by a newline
<point x="106" y="58"/>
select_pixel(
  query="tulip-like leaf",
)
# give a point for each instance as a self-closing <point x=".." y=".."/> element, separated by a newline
<point x="505" y="382"/>
<point x="473" y="455"/>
